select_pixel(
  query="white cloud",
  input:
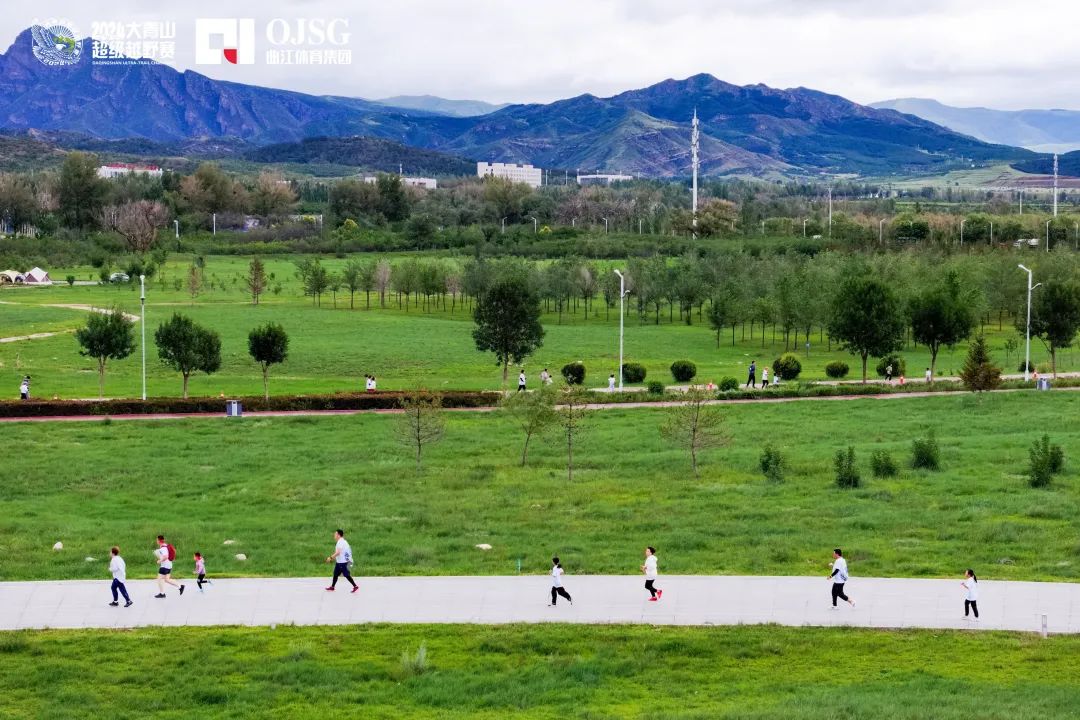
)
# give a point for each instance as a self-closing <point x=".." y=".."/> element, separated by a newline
<point x="988" y="52"/>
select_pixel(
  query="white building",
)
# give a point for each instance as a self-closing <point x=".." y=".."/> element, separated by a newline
<point x="531" y="176"/>
<point x="420" y="182"/>
<point x="114" y="170"/>
<point x="602" y="178"/>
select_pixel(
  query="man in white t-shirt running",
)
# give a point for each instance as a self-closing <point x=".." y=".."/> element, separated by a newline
<point x="521" y="380"/>
<point x="165" y="560"/>
<point x="839" y="576"/>
<point x="341" y="558"/>
<point x="650" y="570"/>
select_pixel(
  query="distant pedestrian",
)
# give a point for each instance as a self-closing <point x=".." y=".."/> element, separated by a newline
<point x="765" y="377"/>
<point x="165" y="555"/>
<point x="929" y="375"/>
<point x="200" y="571"/>
<point x="341" y="558"/>
<point x="118" y="568"/>
<point x="839" y="576"/>
<point x="556" y="583"/>
<point x="369" y="384"/>
<point x="650" y="570"/>
<point x="775" y="379"/>
<point x="24" y="388"/>
<point x="751" y="380"/>
<point x="546" y="376"/>
<point x="971" y="593"/>
<point x="611" y="382"/>
<point x="888" y="373"/>
<point x="521" y="380"/>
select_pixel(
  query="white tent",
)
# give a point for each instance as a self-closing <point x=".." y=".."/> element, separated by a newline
<point x="12" y="276"/>
<point x="37" y="276"/>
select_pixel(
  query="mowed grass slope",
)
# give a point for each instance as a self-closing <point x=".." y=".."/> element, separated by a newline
<point x="555" y="671"/>
<point x="279" y="486"/>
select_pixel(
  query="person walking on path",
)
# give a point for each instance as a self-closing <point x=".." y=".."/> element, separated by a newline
<point x="165" y="555"/>
<point x="650" y="570"/>
<point x="200" y="571"/>
<point x="888" y="373"/>
<point x="341" y="558"/>
<point x="544" y="377"/>
<point x="971" y="593"/>
<point x="611" y="383"/>
<point x="839" y="576"/>
<point x="24" y="388"/>
<point x="765" y="378"/>
<point x="752" y="379"/>
<point x="521" y="380"/>
<point x="556" y="583"/>
<point x="929" y="375"/>
<point x="118" y="568"/>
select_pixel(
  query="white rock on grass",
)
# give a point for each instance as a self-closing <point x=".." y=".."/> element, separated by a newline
<point x="241" y="556"/>
<point x="229" y="542"/>
<point x="90" y="559"/>
<point x="483" y="546"/>
<point x="58" y="545"/>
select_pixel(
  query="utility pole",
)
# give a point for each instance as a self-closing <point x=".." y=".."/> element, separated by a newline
<point x="694" y="136"/>
<point x="1055" y="183"/>
<point x="830" y="212"/>
<point x="622" y="297"/>
<point x="142" y="323"/>
<point x="1027" y="351"/>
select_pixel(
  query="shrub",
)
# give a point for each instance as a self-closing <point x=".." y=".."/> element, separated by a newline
<point x="683" y="370"/>
<point x="70" y="280"/>
<point x="979" y="372"/>
<point x="728" y="384"/>
<point x="899" y="367"/>
<point x="837" y="369"/>
<point x="1030" y="367"/>
<point x="633" y="372"/>
<point x="1046" y="461"/>
<point x="772" y="464"/>
<point x="656" y="387"/>
<point x="787" y="366"/>
<point x="413" y="664"/>
<point x="847" y="474"/>
<point x="925" y="453"/>
<point x="882" y="464"/>
<point x="574" y="373"/>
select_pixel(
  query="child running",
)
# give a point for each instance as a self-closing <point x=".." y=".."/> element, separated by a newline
<point x="971" y="596"/>
<point x="839" y="576"/>
<point x="118" y="568"/>
<point x="200" y="571"/>
<point x="649" y="568"/>
<point x="556" y="583"/>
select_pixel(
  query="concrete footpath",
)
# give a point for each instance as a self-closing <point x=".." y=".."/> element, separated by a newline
<point x="687" y="600"/>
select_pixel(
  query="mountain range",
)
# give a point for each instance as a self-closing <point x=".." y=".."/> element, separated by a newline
<point x="442" y="106"/>
<point x="1046" y="131"/>
<point x="754" y="130"/>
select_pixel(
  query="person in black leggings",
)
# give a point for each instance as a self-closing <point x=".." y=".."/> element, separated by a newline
<point x="556" y="583"/>
<point x="971" y="596"/>
<point x="839" y="576"/>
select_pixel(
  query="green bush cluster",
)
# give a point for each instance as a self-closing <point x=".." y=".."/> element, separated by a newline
<point x="847" y="473"/>
<point x="772" y="464"/>
<point x="1047" y="460"/>
<point x="899" y="366"/>
<point x="656" y="387"/>
<point x="633" y="372"/>
<point x="837" y="369"/>
<point x="925" y="453"/>
<point x="787" y="366"/>
<point x="574" y="373"/>
<point x="882" y="464"/>
<point x="728" y="384"/>
<point x="683" y="370"/>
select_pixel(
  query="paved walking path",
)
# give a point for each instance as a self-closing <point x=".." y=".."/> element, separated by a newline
<point x="598" y="599"/>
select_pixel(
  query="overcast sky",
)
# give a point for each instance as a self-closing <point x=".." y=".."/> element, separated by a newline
<point x="994" y="53"/>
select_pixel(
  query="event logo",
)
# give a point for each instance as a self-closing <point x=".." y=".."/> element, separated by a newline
<point x="55" y="43"/>
<point x="230" y="38"/>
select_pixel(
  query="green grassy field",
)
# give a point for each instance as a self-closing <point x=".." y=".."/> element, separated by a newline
<point x="331" y="350"/>
<point x="556" y="671"/>
<point x="278" y="487"/>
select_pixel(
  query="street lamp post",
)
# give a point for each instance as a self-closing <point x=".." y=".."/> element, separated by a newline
<point x="622" y="301"/>
<point x="804" y="226"/>
<point x="176" y="225"/>
<point x="1048" y="236"/>
<point x="534" y="223"/>
<point x="962" y="221"/>
<point x="1027" y="330"/>
<point x="215" y="224"/>
<point x="142" y="322"/>
<point x="503" y="231"/>
<point x="991" y="232"/>
<point x="881" y="231"/>
<point x="762" y="227"/>
<point x="605" y="225"/>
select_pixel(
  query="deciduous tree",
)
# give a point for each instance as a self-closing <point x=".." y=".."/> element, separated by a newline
<point x="106" y="336"/>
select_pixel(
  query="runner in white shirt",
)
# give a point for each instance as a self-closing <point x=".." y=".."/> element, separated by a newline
<point x="164" y="562"/>
<point x="118" y="568"/>
<point x="839" y="576"/>
<point x="649" y="568"/>
<point x="611" y="383"/>
<point x="971" y="593"/>
<point x="341" y="558"/>
<point x="521" y="381"/>
<point x="556" y="582"/>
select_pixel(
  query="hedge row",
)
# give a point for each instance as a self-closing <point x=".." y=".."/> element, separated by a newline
<point x="212" y="405"/>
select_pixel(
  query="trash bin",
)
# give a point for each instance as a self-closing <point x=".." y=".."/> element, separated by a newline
<point x="1044" y="384"/>
<point x="233" y="408"/>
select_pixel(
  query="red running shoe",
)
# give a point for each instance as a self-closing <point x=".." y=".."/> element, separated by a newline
<point x="652" y="599"/>
<point x="356" y="588"/>
<point x="659" y="594"/>
<point x="329" y="589"/>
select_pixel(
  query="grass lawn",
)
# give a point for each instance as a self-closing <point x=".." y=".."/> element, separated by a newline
<point x="278" y="487"/>
<point x="556" y="671"/>
<point x="331" y="350"/>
